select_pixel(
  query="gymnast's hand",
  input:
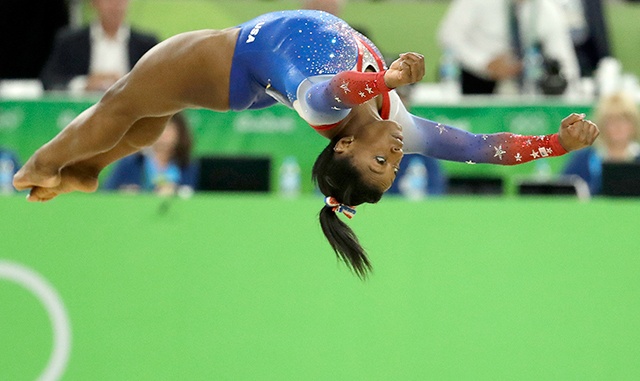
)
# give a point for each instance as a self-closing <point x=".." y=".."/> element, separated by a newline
<point x="407" y="69"/>
<point x="576" y="132"/>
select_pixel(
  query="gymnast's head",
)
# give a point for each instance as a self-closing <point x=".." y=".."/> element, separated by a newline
<point x="357" y="166"/>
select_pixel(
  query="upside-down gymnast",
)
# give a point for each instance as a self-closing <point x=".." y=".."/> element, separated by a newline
<point x="311" y="61"/>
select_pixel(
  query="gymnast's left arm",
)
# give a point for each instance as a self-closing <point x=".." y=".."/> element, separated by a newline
<point x="327" y="99"/>
<point x="449" y="143"/>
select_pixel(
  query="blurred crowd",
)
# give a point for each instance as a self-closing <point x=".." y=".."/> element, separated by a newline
<point x="489" y="47"/>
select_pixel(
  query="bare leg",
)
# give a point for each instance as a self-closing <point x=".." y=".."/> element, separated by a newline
<point x="83" y="175"/>
<point x="83" y="138"/>
<point x="188" y="70"/>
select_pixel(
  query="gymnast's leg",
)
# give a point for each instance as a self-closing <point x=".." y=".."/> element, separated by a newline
<point x="83" y="176"/>
<point x="187" y="70"/>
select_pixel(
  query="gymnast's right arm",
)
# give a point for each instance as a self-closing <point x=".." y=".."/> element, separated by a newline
<point x="187" y="70"/>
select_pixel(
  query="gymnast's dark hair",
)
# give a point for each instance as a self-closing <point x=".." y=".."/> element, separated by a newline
<point x="338" y="178"/>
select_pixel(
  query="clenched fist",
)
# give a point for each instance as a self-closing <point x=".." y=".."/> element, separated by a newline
<point x="576" y="132"/>
<point x="407" y="69"/>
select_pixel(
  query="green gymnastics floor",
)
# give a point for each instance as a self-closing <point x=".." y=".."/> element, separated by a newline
<point x="231" y="287"/>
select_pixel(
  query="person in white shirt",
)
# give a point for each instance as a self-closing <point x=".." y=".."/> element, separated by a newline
<point x="480" y="34"/>
<point x="95" y="57"/>
<point x="589" y="32"/>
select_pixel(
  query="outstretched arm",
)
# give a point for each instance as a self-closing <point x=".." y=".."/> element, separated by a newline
<point x="449" y="143"/>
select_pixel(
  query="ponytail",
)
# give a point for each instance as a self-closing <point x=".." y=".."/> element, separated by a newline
<point x="344" y="242"/>
<point x="338" y="179"/>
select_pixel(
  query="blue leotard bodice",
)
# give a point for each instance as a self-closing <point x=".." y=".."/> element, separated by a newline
<point x="277" y="51"/>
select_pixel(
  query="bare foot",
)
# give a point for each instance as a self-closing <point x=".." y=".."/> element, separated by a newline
<point x="34" y="175"/>
<point x="70" y="179"/>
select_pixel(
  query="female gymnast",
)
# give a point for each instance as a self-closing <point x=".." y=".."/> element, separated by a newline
<point x="311" y="61"/>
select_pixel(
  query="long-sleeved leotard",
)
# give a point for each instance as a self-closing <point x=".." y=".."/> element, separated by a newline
<point x="315" y="63"/>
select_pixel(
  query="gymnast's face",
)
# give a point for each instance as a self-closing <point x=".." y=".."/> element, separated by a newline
<point x="376" y="151"/>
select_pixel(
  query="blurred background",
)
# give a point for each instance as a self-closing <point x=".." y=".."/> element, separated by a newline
<point x="217" y="269"/>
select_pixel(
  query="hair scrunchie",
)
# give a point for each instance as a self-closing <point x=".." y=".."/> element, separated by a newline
<point x="337" y="207"/>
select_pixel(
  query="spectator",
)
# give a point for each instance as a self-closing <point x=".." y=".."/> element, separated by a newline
<point x="619" y="120"/>
<point x="589" y="33"/>
<point x="489" y="38"/>
<point x="162" y="168"/>
<point x="94" y="57"/>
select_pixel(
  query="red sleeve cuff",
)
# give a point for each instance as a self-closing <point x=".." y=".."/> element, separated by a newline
<point x="380" y="83"/>
<point x="557" y="148"/>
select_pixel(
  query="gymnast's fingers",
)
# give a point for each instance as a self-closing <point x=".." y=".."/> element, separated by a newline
<point x="571" y="119"/>
<point x="593" y="132"/>
<point x="589" y="132"/>
<point x="416" y="62"/>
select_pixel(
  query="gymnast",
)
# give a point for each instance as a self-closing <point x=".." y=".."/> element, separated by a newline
<point x="310" y="61"/>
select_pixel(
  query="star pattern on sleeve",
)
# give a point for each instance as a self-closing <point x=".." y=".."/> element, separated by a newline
<point x="502" y="148"/>
<point x="543" y="152"/>
<point x="347" y="89"/>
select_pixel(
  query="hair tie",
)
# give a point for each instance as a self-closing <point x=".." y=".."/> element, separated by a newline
<point x="337" y="207"/>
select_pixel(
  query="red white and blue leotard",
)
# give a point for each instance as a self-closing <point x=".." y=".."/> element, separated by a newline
<point x="315" y="63"/>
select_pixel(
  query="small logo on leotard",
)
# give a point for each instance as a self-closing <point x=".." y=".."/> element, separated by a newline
<point x="254" y="32"/>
